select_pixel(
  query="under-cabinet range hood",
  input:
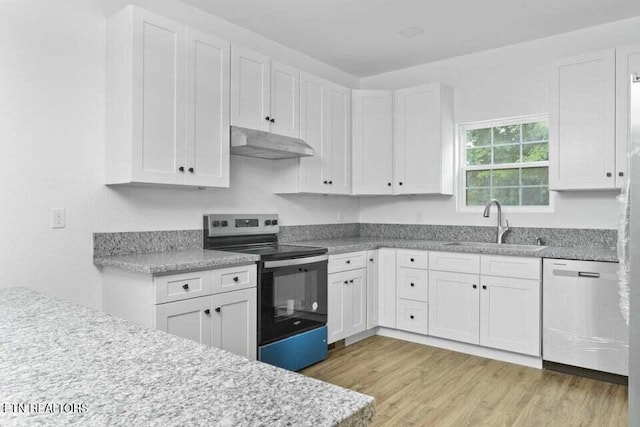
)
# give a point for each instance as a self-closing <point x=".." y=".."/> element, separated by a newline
<point x="267" y="145"/>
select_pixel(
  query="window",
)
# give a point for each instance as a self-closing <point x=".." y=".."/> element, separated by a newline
<point x="506" y="160"/>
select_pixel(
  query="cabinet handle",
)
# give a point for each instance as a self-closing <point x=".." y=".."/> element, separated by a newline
<point x="325" y="182"/>
<point x="268" y="118"/>
<point x="346" y="282"/>
<point x="348" y="261"/>
<point x="181" y="168"/>
<point x="475" y="286"/>
<point x="272" y="120"/>
<point x="388" y="184"/>
<point x="608" y="174"/>
<point x="217" y="309"/>
<point x="207" y="311"/>
<point x="331" y="182"/>
<point x="620" y="173"/>
<point x="413" y="284"/>
<point x="351" y="281"/>
<point x="185" y="286"/>
<point x="235" y="279"/>
<point x="412" y="260"/>
<point x="400" y="183"/>
<point x="484" y="286"/>
<point x="371" y="259"/>
<point x="192" y="170"/>
<point x="411" y="317"/>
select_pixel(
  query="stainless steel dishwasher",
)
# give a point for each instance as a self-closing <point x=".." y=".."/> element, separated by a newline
<point x="582" y="324"/>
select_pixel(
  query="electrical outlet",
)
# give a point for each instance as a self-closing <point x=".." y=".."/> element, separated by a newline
<point x="57" y="218"/>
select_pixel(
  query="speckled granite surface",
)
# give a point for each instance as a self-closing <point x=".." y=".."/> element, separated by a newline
<point x="145" y="242"/>
<point x="166" y="262"/>
<point x="127" y="375"/>
<point x="354" y="244"/>
<point x="318" y="231"/>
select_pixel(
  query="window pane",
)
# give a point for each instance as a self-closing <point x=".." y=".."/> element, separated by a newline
<point x="535" y="176"/>
<point x="507" y="196"/>
<point x="535" y="131"/>
<point x="479" y="156"/>
<point x="535" y="152"/>
<point x="506" y="154"/>
<point x="478" y="137"/>
<point x="478" y="178"/>
<point x="478" y="196"/>
<point x="538" y="196"/>
<point x="506" y="134"/>
<point x="506" y="177"/>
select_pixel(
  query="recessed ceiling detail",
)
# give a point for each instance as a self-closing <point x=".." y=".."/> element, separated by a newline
<point x="361" y="36"/>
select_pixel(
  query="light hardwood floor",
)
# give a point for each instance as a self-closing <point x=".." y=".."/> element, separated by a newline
<point x="416" y="385"/>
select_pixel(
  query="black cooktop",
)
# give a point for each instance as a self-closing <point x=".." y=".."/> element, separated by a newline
<point x="276" y="251"/>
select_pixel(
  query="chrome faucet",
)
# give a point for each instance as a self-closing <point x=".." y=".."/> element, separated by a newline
<point x="501" y="230"/>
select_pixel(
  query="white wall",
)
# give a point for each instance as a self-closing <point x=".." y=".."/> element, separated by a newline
<point x="500" y="83"/>
<point x="52" y="78"/>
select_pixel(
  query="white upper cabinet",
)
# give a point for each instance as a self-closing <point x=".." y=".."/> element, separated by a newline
<point x="265" y="94"/>
<point x="325" y="124"/>
<point x="250" y="89"/>
<point x="423" y="140"/>
<point x="627" y="63"/>
<point x="285" y="100"/>
<point x="157" y="132"/>
<point x="372" y="142"/>
<point x="582" y="122"/>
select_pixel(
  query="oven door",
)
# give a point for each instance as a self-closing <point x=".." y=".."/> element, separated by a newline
<point x="292" y="298"/>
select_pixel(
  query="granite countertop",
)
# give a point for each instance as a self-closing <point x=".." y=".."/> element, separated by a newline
<point x="118" y="373"/>
<point x="354" y="244"/>
<point x="166" y="262"/>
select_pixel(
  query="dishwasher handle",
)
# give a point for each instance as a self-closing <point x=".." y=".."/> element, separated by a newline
<point x="575" y="273"/>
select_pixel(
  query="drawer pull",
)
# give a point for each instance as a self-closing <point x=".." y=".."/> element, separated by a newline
<point x="411" y="317"/>
<point x="185" y="286"/>
<point x="207" y="311"/>
<point x="475" y="286"/>
<point x="236" y="279"/>
<point x="348" y="261"/>
<point x="413" y="284"/>
<point x="484" y="286"/>
<point x="371" y="259"/>
<point x="346" y="282"/>
<point x="351" y="281"/>
<point x="217" y="309"/>
<point x="412" y="260"/>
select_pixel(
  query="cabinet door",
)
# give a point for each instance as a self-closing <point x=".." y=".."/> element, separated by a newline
<point x="510" y="314"/>
<point x="186" y="319"/>
<point x="582" y="122"/>
<point x="207" y="111"/>
<point x="339" y="164"/>
<point x="373" y="260"/>
<point x="387" y="288"/>
<point x="412" y="284"/>
<point x="356" y="303"/>
<point x="314" y="127"/>
<point x="158" y="99"/>
<point x="285" y="100"/>
<point x="454" y="306"/>
<point x="337" y="296"/>
<point x="250" y="89"/>
<point x="423" y="140"/>
<point x="627" y="63"/>
<point x="235" y="322"/>
<point x="372" y="142"/>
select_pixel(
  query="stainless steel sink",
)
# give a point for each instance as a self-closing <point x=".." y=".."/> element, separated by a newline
<point x="533" y="248"/>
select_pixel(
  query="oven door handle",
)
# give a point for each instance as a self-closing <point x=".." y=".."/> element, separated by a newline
<point x="295" y="261"/>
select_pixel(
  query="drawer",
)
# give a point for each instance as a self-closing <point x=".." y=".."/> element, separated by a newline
<point x="175" y="287"/>
<point x="345" y="262"/>
<point x="511" y="266"/>
<point x="412" y="284"/>
<point x="412" y="316"/>
<point x="454" y="262"/>
<point x="234" y="278"/>
<point x="413" y="259"/>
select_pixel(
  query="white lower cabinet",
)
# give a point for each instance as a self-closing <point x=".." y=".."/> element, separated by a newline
<point x="454" y="311"/>
<point x="510" y="314"/>
<point x="347" y="304"/>
<point x="387" y="287"/>
<point x="213" y="307"/>
<point x="412" y="316"/>
<point x="373" y="274"/>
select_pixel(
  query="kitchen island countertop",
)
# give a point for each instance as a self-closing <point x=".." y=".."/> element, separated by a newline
<point x="115" y="372"/>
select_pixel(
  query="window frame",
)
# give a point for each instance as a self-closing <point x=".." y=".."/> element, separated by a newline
<point x="462" y="168"/>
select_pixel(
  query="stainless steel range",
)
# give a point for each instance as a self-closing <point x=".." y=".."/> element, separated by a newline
<point x="292" y="287"/>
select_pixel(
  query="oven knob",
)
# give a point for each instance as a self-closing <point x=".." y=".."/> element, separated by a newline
<point x="267" y="222"/>
<point x="215" y="223"/>
<point x="274" y="222"/>
<point x="224" y="223"/>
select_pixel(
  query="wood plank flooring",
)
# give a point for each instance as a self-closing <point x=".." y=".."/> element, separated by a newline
<point x="417" y="385"/>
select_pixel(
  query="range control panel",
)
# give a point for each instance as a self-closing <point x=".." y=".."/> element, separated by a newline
<point x="234" y="224"/>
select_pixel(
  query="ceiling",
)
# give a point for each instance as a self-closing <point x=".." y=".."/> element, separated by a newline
<point x="361" y="36"/>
